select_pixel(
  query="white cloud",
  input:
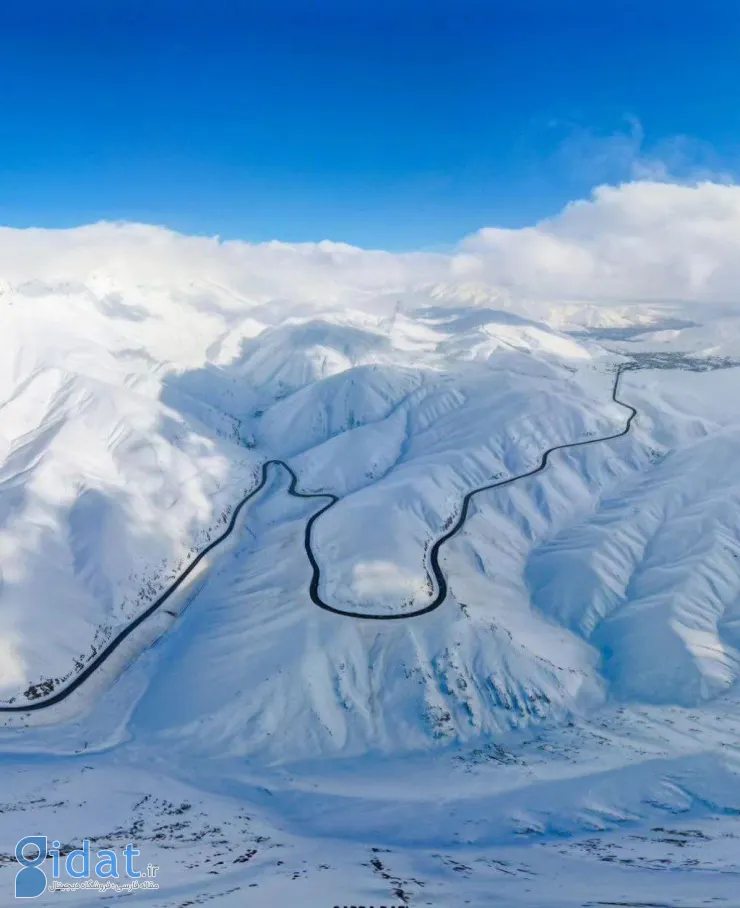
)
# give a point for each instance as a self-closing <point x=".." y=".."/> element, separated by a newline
<point x="641" y="240"/>
<point x="626" y="154"/>
<point x="378" y="579"/>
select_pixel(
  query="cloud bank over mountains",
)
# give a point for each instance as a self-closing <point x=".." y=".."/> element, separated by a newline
<point x="638" y="241"/>
<point x="634" y="242"/>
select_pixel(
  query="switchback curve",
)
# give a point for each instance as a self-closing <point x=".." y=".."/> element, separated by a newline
<point x="441" y="581"/>
<point x="436" y="570"/>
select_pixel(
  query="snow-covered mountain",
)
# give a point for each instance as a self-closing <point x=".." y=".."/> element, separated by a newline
<point x="578" y="679"/>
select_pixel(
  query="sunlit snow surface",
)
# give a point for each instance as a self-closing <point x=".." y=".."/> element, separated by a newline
<point x="563" y="730"/>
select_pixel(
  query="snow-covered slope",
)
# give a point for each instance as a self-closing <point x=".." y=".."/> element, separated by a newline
<point x="135" y="418"/>
<point x="105" y="490"/>
<point x="579" y="676"/>
<point x="127" y="437"/>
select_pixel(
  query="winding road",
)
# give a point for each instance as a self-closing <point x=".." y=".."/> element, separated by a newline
<point x="436" y="570"/>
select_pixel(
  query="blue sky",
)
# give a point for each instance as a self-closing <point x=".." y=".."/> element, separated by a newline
<point x="399" y="124"/>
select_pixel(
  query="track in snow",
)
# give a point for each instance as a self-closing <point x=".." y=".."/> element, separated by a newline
<point x="314" y="593"/>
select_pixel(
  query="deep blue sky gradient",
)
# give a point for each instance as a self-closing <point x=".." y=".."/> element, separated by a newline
<point x="401" y="125"/>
